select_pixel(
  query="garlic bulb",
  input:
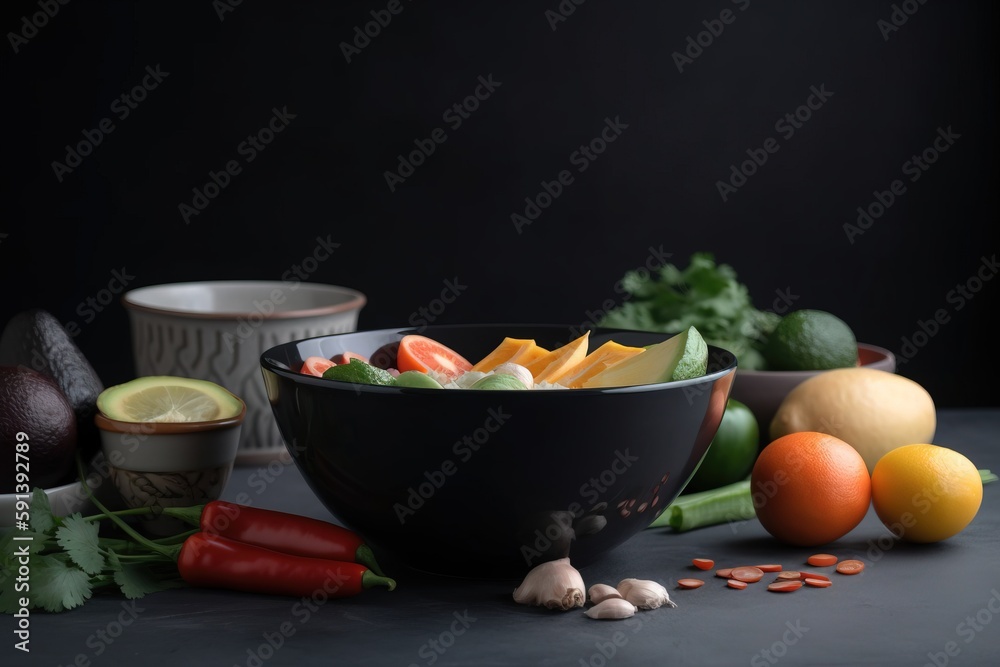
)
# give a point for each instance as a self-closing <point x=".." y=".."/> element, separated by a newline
<point x="598" y="593"/>
<point x="611" y="609"/>
<point x="554" y="585"/>
<point x="518" y="371"/>
<point x="645" y="593"/>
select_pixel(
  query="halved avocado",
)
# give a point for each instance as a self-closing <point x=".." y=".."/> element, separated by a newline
<point x="681" y="357"/>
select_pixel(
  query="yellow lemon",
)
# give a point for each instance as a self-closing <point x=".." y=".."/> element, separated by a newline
<point x="926" y="493"/>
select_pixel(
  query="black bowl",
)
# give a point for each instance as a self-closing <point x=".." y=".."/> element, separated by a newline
<point x="492" y="483"/>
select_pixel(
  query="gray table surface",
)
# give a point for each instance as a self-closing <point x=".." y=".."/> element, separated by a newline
<point x="913" y="605"/>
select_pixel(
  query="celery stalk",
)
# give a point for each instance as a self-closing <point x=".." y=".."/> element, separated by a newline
<point x="708" y="508"/>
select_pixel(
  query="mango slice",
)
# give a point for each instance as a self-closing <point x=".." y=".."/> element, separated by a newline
<point x="606" y="355"/>
<point x="557" y="363"/>
<point x="505" y="351"/>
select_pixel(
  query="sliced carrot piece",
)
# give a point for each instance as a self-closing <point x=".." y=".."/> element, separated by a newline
<point x="822" y="560"/>
<point x="813" y="575"/>
<point x="784" y="586"/>
<point x="725" y="572"/>
<point x="792" y="575"/>
<point x="737" y="584"/>
<point x="747" y="573"/>
<point x="818" y="583"/>
<point x="850" y="566"/>
<point x="769" y="567"/>
<point x="703" y="563"/>
<point x="690" y="583"/>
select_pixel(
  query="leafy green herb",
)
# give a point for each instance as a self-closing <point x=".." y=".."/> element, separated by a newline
<point x="704" y="295"/>
<point x="80" y="540"/>
<point x="67" y="559"/>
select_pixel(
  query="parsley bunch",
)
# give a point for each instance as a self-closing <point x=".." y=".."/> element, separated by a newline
<point x="706" y="296"/>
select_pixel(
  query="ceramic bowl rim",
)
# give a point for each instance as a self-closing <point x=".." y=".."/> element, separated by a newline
<point x="312" y="380"/>
<point x="886" y="354"/>
<point x="356" y="301"/>
<point x="110" y="425"/>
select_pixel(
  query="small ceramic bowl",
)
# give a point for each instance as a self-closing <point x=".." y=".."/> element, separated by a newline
<point x="763" y="391"/>
<point x="217" y="330"/>
<point x="169" y="464"/>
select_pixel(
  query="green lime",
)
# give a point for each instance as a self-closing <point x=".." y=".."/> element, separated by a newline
<point x="810" y="340"/>
<point x="502" y="382"/>
<point x="733" y="451"/>
<point x="417" y="379"/>
<point x="168" y="399"/>
<point x="359" y="372"/>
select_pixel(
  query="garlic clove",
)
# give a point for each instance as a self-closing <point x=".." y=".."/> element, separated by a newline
<point x="518" y="371"/>
<point x="611" y="609"/>
<point x="624" y="585"/>
<point x="646" y="594"/>
<point x="555" y="585"/>
<point x="598" y="593"/>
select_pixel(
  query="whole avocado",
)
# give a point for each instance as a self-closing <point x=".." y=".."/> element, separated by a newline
<point x="36" y="422"/>
<point x="37" y="340"/>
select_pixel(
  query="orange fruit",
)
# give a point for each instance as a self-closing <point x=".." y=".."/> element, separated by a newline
<point x="926" y="493"/>
<point x="810" y="488"/>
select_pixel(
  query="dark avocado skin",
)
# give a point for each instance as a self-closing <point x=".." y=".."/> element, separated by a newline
<point x="32" y="403"/>
<point x="35" y="338"/>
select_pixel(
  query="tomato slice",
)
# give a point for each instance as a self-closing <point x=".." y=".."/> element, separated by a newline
<point x="315" y="366"/>
<point x="345" y="358"/>
<point x="420" y="353"/>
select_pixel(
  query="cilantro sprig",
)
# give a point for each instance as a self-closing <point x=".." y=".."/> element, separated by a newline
<point x="705" y="295"/>
<point x="68" y="559"/>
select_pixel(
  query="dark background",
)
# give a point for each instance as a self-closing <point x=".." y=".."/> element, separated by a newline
<point x="655" y="186"/>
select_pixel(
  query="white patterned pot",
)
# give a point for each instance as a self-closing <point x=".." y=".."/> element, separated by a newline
<point x="217" y="330"/>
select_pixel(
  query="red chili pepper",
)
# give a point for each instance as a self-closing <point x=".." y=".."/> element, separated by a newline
<point x="288" y="533"/>
<point x="218" y="562"/>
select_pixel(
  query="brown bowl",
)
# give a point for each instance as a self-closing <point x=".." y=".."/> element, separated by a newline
<point x="763" y="391"/>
